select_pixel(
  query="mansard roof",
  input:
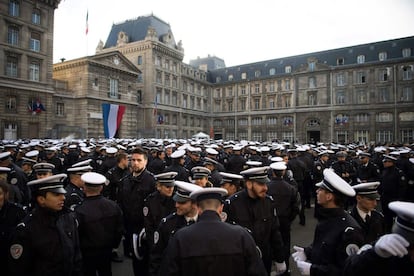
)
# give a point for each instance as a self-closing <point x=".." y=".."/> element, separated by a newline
<point x="329" y="58"/>
<point x="136" y="29"/>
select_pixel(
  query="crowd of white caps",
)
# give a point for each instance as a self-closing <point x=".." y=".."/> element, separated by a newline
<point x="89" y="145"/>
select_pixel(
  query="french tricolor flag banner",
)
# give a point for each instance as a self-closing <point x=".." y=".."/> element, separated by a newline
<point x="112" y="117"/>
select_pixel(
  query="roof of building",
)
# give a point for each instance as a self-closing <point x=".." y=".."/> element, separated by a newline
<point x="136" y="29"/>
<point x="330" y="58"/>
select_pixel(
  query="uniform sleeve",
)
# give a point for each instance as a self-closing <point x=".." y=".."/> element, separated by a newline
<point x="157" y="251"/>
<point x="276" y="239"/>
<point x="254" y="263"/>
<point x="366" y="263"/>
<point x="20" y="253"/>
<point x="170" y="263"/>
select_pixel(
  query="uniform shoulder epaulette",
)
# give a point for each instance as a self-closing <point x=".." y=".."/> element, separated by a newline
<point x="25" y="221"/>
<point x="377" y="212"/>
<point x="269" y="197"/>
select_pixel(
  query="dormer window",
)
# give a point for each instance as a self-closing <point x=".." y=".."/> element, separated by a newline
<point x="360" y="59"/>
<point x="382" y="56"/>
<point x="340" y="61"/>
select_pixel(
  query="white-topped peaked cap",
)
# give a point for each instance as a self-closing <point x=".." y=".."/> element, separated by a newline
<point x="166" y="179"/>
<point x="404" y="224"/>
<point x="93" y="179"/>
<point x="208" y="193"/>
<point x="278" y="166"/>
<point x="43" y="167"/>
<point x="177" y="154"/>
<point x="368" y="189"/>
<point x="184" y="189"/>
<point x="259" y="174"/>
<point x="335" y="184"/>
<point x="53" y="183"/>
<point x="200" y="172"/>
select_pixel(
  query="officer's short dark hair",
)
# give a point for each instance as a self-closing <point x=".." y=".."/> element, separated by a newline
<point x="139" y="150"/>
<point x="121" y="156"/>
<point x="339" y="199"/>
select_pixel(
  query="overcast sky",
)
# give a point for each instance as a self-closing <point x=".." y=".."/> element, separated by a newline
<point x="239" y="31"/>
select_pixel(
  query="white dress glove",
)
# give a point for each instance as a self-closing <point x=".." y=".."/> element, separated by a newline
<point x="280" y="268"/>
<point x="391" y="245"/>
<point x="303" y="267"/>
<point x="299" y="254"/>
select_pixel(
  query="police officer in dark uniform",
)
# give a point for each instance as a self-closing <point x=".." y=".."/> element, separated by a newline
<point x="366" y="171"/>
<point x="254" y="209"/>
<point x="134" y="189"/>
<point x="52" y="158"/>
<point x="177" y="165"/>
<point x="158" y="205"/>
<point x="215" y="177"/>
<point x="298" y="168"/>
<point x="17" y="177"/>
<point x="99" y="231"/>
<point x="74" y="188"/>
<point x="287" y="202"/>
<point x="10" y="215"/>
<point x="157" y="165"/>
<point x="335" y="233"/>
<point x="393" y="187"/>
<point x="236" y="161"/>
<point x="392" y="254"/>
<point x="109" y="161"/>
<point x="210" y="246"/>
<point x="343" y="167"/>
<point x="115" y="176"/>
<point x="185" y="214"/>
<point x="193" y="158"/>
<point x="370" y="220"/>
<point x="233" y="183"/>
<point x="47" y="240"/>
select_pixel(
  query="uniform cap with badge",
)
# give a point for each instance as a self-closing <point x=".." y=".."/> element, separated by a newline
<point x="231" y="178"/>
<point x="259" y="174"/>
<point x="80" y="167"/>
<point x="253" y="164"/>
<point x="200" y="172"/>
<point x="390" y="158"/>
<point x="184" y="189"/>
<point x="4" y="155"/>
<point x="368" y="189"/>
<point x="166" y="179"/>
<point x="335" y="184"/>
<point x="209" y="161"/>
<point x="53" y="183"/>
<point x="43" y="167"/>
<point x="178" y="154"/>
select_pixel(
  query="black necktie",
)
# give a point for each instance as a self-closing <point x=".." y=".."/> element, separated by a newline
<point x="367" y="218"/>
<point x="191" y="221"/>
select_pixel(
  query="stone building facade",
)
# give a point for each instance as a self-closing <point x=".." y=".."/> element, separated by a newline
<point x="357" y="93"/>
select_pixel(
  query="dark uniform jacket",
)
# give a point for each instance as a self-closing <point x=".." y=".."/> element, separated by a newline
<point x="134" y="190"/>
<point x="393" y="184"/>
<point x="156" y="166"/>
<point x="46" y="243"/>
<point x="317" y="171"/>
<point x="100" y="225"/>
<point x="369" y="263"/>
<point x="335" y="230"/>
<point x="286" y="198"/>
<point x="367" y="172"/>
<point x="74" y="196"/>
<point x="260" y="217"/>
<point x="10" y="215"/>
<point x="156" y="207"/>
<point x="235" y="164"/>
<point x="166" y="229"/>
<point x="182" y="172"/>
<point x="211" y="247"/>
<point x="215" y="178"/>
<point x="115" y="176"/>
<point x="373" y="228"/>
<point x="341" y="167"/>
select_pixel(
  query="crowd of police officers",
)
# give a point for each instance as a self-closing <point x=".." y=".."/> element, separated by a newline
<point x="65" y="206"/>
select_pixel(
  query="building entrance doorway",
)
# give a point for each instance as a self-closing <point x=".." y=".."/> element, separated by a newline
<point x="313" y="137"/>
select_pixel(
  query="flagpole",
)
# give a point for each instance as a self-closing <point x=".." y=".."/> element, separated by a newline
<point x="87" y="30"/>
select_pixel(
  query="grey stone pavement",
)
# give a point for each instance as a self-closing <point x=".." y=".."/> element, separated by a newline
<point x="300" y="235"/>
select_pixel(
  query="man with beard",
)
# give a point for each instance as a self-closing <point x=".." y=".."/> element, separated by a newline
<point x="254" y="209"/>
<point x="134" y="189"/>
<point x="185" y="214"/>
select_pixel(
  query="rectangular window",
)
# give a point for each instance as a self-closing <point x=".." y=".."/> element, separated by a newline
<point x="11" y="103"/>
<point x="312" y="99"/>
<point x="243" y="122"/>
<point x="242" y="136"/>
<point x="383" y="74"/>
<point x="287" y="101"/>
<point x="271" y="121"/>
<point x="288" y="69"/>
<point x="271" y="103"/>
<point x="167" y="98"/>
<point x="158" y="77"/>
<point x="243" y="76"/>
<point x="113" y="88"/>
<point x="230" y="135"/>
<point x="406" y="52"/>
<point x="312" y="82"/>
<point x="34" y="71"/>
<point x="192" y="102"/>
<point x="271" y="86"/>
<point x="361" y="59"/>
<point x="342" y="136"/>
<point x="340" y="97"/>
<point x="361" y="136"/>
<point x="35" y="42"/>
<point x="242" y="105"/>
<point x="13" y="35"/>
<point x="60" y="109"/>
<point x="257" y="88"/>
<point x="287" y="85"/>
<point x="174" y="99"/>
<point x="36" y="17"/>
<point x="230" y="92"/>
<point x="340" y="79"/>
<point x="230" y="105"/>
<point x="311" y="66"/>
<point x="407" y="94"/>
<point x="243" y="90"/>
<point x="287" y="136"/>
<point x="384" y="95"/>
<point x="158" y="60"/>
<point x="407" y="135"/>
<point x="256" y="104"/>
<point x="257" y="136"/>
<point x="11" y="67"/>
<point x="271" y="135"/>
<point x="340" y="61"/>
<point x="184" y="101"/>
<point x="362" y="117"/>
<point x="361" y="78"/>
<point x="384" y="117"/>
<point x="14" y="8"/>
<point x="382" y="56"/>
<point x="407" y="73"/>
<point x="384" y="136"/>
<point x="257" y="121"/>
<point x="362" y="97"/>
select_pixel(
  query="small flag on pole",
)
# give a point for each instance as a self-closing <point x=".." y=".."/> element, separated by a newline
<point x="87" y="23"/>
